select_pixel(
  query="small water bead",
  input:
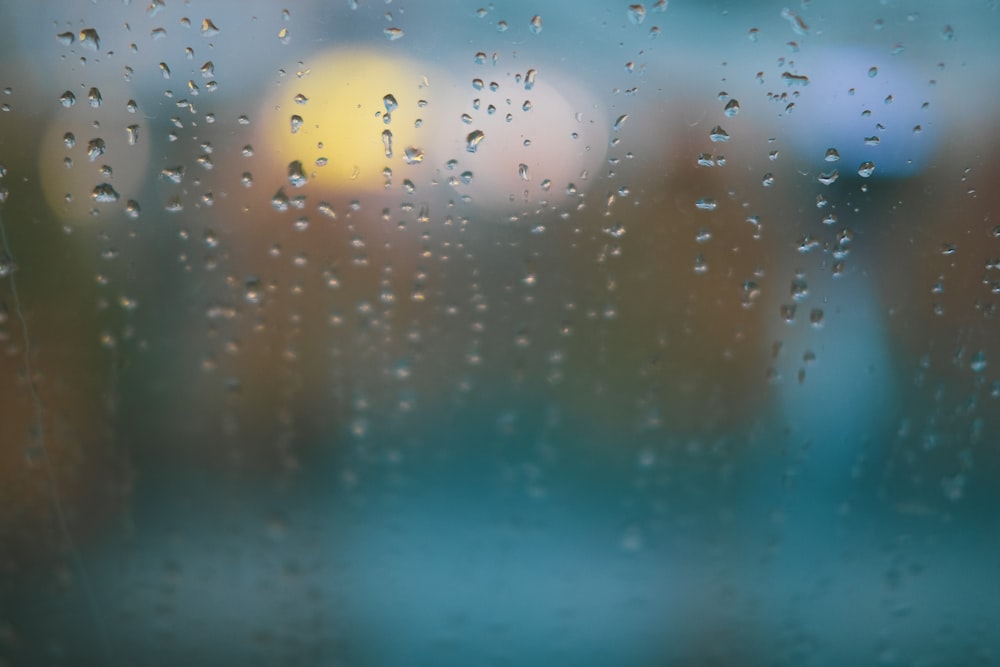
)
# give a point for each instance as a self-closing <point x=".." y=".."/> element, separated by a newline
<point x="535" y="25"/>
<point x="732" y="108"/>
<point x="866" y="169"/>
<point x="67" y="99"/>
<point x="832" y="155"/>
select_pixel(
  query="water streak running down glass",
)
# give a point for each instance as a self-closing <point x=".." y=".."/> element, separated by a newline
<point x="583" y="333"/>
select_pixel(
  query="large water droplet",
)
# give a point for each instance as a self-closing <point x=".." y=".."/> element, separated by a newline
<point x="413" y="155"/>
<point x="535" y="25"/>
<point x="67" y="99"/>
<point x="473" y="139"/>
<point x="95" y="148"/>
<point x="104" y="193"/>
<point x="636" y="14"/>
<point x="296" y="176"/>
<point x="718" y="134"/>
<point x="866" y="169"/>
<point x="387" y="142"/>
<point x="90" y="39"/>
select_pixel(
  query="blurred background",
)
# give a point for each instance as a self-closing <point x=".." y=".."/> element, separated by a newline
<point x="394" y="333"/>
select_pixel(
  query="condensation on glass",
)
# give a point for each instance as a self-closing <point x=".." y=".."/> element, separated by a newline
<point x="375" y="333"/>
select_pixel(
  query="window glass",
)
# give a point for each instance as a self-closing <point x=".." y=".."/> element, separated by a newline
<point x="392" y="333"/>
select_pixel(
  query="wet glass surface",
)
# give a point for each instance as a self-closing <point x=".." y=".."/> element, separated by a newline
<point x="383" y="333"/>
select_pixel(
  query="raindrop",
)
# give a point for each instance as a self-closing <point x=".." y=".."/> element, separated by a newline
<point x="978" y="362"/>
<point x="535" y="25"/>
<point x="473" y="139"/>
<point x="872" y="72"/>
<point x="165" y="70"/>
<point x="799" y="26"/>
<point x="252" y="290"/>
<point x="413" y="155"/>
<point x="69" y="140"/>
<point x="619" y="122"/>
<point x="90" y="39"/>
<point x="390" y="103"/>
<point x="732" y="107"/>
<point x="208" y="28"/>
<point x="768" y="180"/>
<point x="132" y="133"/>
<point x="67" y="99"/>
<point x="522" y="171"/>
<point x="94" y="97"/>
<point x="529" y="79"/>
<point x="173" y="174"/>
<point x="795" y="79"/>
<point x="295" y="122"/>
<point x="832" y="155"/>
<point x="66" y="38"/>
<point x="828" y="178"/>
<point x="636" y="14"/>
<point x="95" y="148"/>
<point x="948" y="33"/>
<point x="718" y="134"/>
<point x="866" y="169"/>
<point x="393" y="33"/>
<point x="706" y="204"/>
<point x="296" y="176"/>
<point x="103" y="193"/>
<point x="387" y="142"/>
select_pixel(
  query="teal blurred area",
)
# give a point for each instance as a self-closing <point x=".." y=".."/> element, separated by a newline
<point x="687" y="357"/>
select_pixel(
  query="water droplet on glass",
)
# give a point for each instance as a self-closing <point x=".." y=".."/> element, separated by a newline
<point x="832" y="155"/>
<point x="718" y="134"/>
<point x="90" y="39"/>
<point x="978" y="362"/>
<point x="413" y="155"/>
<point x="866" y="169"/>
<point x="132" y="133"/>
<point x="706" y="204"/>
<point x="173" y="174"/>
<point x="473" y="139"/>
<point x="95" y="148"/>
<point x="208" y="28"/>
<point x="535" y="25"/>
<point x="66" y="38"/>
<point x="296" y="176"/>
<point x="67" y="99"/>
<point x="768" y="180"/>
<point x="794" y="79"/>
<point x="636" y="14"/>
<point x="393" y="33"/>
<point x="103" y="193"/>
<point x="295" y="123"/>
<point x="390" y="103"/>
<point x="948" y="33"/>
<point x="387" y="142"/>
<point x="619" y="122"/>
<point x="732" y="107"/>
<point x="828" y="178"/>
<point x="529" y="79"/>
<point x="522" y="171"/>
<point x="94" y="97"/>
<point x="872" y="72"/>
